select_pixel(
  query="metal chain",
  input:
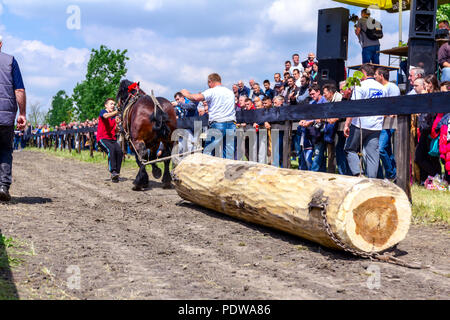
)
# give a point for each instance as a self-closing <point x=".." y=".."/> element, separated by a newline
<point x="322" y="205"/>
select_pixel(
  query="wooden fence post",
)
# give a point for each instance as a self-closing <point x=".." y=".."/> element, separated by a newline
<point x="79" y="143"/>
<point x="287" y="144"/>
<point x="403" y="154"/>
<point x="91" y="144"/>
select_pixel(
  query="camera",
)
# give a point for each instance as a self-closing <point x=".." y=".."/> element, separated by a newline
<point x="354" y="18"/>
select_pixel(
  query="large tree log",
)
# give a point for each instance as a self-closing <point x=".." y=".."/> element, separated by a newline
<point x="365" y="214"/>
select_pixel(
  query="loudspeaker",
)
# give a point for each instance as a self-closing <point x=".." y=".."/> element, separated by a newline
<point x="423" y="19"/>
<point x="331" y="71"/>
<point x="332" y="34"/>
<point x="422" y="54"/>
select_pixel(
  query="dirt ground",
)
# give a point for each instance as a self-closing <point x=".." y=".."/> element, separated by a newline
<point x="153" y="245"/>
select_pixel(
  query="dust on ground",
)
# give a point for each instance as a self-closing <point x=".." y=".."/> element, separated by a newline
<point x="87" y="238"/>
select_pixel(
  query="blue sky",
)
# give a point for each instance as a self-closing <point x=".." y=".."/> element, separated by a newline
<point x="172" y="45"/>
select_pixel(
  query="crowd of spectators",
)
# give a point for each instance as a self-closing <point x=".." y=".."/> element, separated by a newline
<point x="324" y="144"/>
<point x="30" y="135"/>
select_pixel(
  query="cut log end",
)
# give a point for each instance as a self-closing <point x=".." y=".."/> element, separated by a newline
<point x="379" y="216"/>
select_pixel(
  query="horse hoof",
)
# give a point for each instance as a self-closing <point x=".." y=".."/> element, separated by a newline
<point x="157" y="173"/>
<point x="137" y="188"/>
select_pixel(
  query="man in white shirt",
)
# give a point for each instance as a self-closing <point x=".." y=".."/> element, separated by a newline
<point x="367" y="128"/>
<point x="386" y="155"/>
<point x="296" y="64"/>
<point x="222" y="113"/>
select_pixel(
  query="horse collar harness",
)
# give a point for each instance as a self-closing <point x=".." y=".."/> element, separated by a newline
<point x="129" y="104"/>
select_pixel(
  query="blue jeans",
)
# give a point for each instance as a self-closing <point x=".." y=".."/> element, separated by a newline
<point x="319" y="163"/>
<point x="370" y="54"/>
<point x="445" y="74"/>
<point x="341" y="155"/>
<point x="387" y="156"/>
<point x="228" y="144"/>
<point x="296" y="142"/>
<point x="277" y="145"/>
<point x="305" y="159"/>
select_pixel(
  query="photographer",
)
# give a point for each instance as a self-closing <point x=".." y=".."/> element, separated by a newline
<point x="369" y="33"/>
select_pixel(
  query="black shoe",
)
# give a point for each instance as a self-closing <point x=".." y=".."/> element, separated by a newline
<point x="115" y="177"/>
<point x="4" y="194"/>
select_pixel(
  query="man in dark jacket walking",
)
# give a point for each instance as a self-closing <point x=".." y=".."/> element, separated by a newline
<point x="12" y="93"/>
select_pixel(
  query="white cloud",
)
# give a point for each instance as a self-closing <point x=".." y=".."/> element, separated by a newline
<point x="295" y="15"/>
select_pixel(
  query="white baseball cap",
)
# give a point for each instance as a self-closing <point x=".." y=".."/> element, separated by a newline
<point x="1" y="39"/>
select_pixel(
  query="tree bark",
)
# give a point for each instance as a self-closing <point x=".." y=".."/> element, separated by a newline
<point x="366" y="214"/>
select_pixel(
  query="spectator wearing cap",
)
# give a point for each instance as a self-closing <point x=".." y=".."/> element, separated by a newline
<point x="278" y="89"/>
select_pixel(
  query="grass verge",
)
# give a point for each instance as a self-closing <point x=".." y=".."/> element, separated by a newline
<point x="12" y="253"/>
<point x="430" y="206"/>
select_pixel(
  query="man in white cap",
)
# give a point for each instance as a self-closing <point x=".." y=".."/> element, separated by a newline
<point x="12" y="94"/>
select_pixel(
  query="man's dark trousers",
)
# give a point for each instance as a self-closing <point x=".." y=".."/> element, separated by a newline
<point x="6" y="151"/>
<point x="115" y="154"/>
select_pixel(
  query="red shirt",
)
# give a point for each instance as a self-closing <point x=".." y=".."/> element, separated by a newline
<point x="106" y="127"/>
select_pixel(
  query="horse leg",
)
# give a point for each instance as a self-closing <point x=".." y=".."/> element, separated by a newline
<point x="141" y="180"/>
<point x="167" y="179"/>
<point x="156" y="171"/>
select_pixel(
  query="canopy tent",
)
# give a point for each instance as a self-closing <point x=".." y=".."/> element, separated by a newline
<point x="391" y="6"/>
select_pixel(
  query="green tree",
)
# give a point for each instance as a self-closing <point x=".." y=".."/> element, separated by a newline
<point x="61" y="109"/>
<point x="443" y="13"/>
<point x="104" y="72"/>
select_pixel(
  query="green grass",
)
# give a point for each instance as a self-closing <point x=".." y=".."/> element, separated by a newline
<point x="430" y="206"/>
<point x="12" y="252"/>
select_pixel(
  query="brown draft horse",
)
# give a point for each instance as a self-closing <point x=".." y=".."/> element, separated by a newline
<point x="147" y="129"/>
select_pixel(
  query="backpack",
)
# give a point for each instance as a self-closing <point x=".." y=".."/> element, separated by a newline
<point x="374" y="30"/>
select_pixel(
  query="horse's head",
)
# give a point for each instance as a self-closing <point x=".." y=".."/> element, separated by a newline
<point x="123" y="93"/>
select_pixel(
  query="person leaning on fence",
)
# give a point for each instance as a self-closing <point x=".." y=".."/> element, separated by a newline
<point x="12" y="93"/>
<point x="106" y="138"/>
<point x="364" y="132"/>
<point x="222" y="113"/>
